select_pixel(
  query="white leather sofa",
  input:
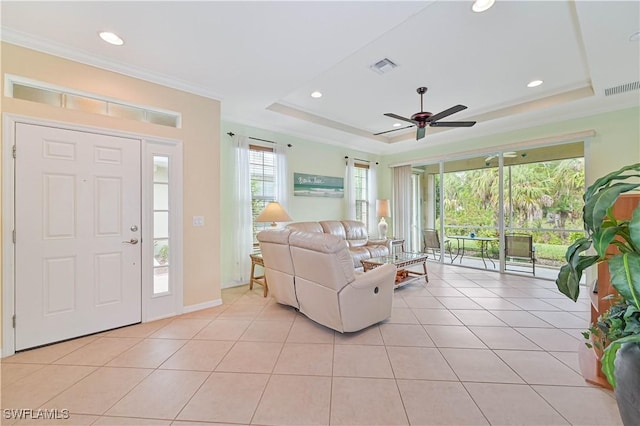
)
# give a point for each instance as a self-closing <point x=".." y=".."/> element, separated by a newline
<point x="354" y="233"/>
<point x="314" y="273"/>
<point x="278" y="266"/>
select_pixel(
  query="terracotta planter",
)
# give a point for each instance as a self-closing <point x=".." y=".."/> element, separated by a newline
<point x="627" y="390"/>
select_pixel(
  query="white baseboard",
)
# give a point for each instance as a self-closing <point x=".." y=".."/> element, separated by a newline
<point x="203" y="305"/>
<point x="160" y="317"/>
<point x="234" y="284"/>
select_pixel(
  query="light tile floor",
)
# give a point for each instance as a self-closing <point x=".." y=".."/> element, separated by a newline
<point x="468" y="348"/>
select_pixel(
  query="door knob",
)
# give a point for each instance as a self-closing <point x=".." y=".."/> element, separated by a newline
<point x="132" y="241"/>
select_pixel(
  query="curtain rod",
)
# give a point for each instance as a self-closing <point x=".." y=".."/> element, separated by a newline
<point x="257" y="139"/>
<point x="346" y="157"/>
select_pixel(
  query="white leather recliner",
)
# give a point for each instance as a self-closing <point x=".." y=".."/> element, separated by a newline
<point x="278" y="267"/>
<point x="326" y="288"/>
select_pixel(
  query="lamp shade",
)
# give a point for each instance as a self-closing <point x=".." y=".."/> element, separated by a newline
<point x="273" y="213"/>
<point x="382" y="207"/>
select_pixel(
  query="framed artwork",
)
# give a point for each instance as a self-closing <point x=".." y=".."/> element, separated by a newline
<point x="317" y="186"/>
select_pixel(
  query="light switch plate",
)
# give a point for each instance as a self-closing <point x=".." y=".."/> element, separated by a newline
<point x="198" y="221"/>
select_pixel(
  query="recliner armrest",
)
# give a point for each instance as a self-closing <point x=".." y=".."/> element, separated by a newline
<point x="382" y="275"/>
<point x="385" y="242"/>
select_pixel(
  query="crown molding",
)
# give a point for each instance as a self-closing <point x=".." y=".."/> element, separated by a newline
<point x="45" y="46"/>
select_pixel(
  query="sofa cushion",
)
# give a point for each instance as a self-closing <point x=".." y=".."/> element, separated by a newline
<point x="274" y="244"/>
<point x="358" y="254"/>
<point x="377" y="251"/>
<point x="333" y="227"/>
<point x="306" y="226"/>
<point x="353" y="232"/>
<point x="356" y="233"/>
<point x="322" y="259"/>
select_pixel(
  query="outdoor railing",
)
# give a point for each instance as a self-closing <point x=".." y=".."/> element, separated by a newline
<point x="550" y="243"/>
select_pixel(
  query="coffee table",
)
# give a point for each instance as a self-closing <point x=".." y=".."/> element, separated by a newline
<point x="402" y="261"/>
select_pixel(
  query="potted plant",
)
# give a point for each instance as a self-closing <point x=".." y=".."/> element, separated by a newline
<point x="618" y="328"/>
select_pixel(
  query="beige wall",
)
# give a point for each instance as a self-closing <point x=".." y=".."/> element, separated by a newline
<point x="200" y="135"/>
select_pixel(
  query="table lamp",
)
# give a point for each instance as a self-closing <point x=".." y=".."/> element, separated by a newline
<point x="273" y="212"/>
<point x="382" y="207"/>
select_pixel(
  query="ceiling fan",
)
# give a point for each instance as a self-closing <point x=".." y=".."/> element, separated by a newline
<point x="510" y="154"/>
<point x="423" y="118"/>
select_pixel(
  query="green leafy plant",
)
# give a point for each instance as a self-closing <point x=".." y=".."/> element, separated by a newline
<point x="621" y="320"/>
<point x="604" y="230"/>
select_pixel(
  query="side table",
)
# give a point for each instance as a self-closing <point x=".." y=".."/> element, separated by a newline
<point x="396" y="242"/>
<point x="256" y="259"/>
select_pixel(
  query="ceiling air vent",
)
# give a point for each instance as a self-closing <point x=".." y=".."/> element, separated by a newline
<point x="622" y="88"/>
<point x="383" y="66"/>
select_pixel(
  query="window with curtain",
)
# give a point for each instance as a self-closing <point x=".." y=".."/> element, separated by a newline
<point x="361" y="183"/>
<point x="262" y="168"/>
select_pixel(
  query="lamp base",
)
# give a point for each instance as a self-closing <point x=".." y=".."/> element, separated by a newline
<point x="382" y="229"/>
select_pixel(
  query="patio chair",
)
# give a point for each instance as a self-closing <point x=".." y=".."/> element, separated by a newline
<point x="518" y="250"/>
<point x="432" y="243"/>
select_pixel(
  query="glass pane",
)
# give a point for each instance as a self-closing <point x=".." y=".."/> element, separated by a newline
<point x="125" y="111"/>
<point x="543" y="199"/>
<point x="162" y="119"/>
<point x="160" y="280"/>
<point x="160" y="196"/>
<point x="160" y="225"/>
<point x="472" y="210"/>
<point x="161" y="253"/>
<point x="81" y="103"/>
<point x="160" y="168"/>
<point x="37" y="95"/>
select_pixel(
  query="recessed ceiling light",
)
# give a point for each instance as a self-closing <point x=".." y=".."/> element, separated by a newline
<point x="111" y="38"/>
<point x="635" y="36"/>
<point x="397" y="124"/>
<point x="534" y="83"/>
<point x="316" y="94"/>
<point x="482" y="5"/>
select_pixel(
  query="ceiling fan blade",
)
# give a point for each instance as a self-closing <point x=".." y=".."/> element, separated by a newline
<point x="399" y="117"/>
<point x="446" y="113"/>
<point x="452" y="123"/>
<point x="393" y="130"/>
<point x="420" y="133"/>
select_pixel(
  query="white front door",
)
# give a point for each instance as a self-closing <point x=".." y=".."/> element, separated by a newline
<point x="77" y="222"/>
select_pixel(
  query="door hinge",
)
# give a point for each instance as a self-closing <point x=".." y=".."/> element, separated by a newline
<point x="14" y="320"/>
<point x="14" y="236"/>
<point x="14" y="151"/>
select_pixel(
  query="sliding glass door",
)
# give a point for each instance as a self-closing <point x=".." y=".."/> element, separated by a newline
<point x="543" y="190"/>
<point x="478" y="204"/>
<point x="471" y="211"/>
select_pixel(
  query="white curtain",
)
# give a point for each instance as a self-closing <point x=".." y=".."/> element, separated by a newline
<point x="350" y="190"/>
<point x="282" y="193"/>
<point x="242" y="224"/>
<point x="372" y="217"/>
<point x="402" y="203"/>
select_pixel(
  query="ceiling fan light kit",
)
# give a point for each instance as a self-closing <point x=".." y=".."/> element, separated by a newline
<point x="424" y="118"/>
